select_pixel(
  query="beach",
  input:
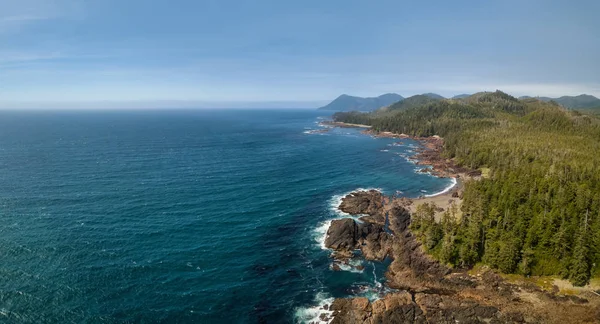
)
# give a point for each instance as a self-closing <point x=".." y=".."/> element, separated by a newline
<point x="444" y="201"/>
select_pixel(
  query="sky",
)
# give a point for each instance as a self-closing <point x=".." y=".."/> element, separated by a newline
<point x="223" y="53"/>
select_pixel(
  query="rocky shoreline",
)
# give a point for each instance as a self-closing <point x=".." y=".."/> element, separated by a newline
<point x="425" y="290"/>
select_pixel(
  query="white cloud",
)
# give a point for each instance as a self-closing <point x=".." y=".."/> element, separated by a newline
<point x="20" y="19"/>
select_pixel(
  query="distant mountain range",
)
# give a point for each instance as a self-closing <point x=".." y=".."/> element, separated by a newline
<point x="433" y="95"/>
<point x="393" y="101"/>
<point x="352" y="103"/>
<point x="574" y="102"/>
<point x="461" y="96"/>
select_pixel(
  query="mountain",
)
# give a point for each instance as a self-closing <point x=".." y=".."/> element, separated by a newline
<point x="433" y="95"/>
<point x="352" y="103"/>
<point x="407" y="103"/>
<point x="574" y="102"/>
<point x="578" y="102"/>
<point x="461" y="96"/>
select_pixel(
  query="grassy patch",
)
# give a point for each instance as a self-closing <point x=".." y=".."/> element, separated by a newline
<point x="542" y="282"/>
<point x="485" y="173"/>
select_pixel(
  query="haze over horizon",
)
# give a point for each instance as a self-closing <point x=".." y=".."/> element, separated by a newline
<point x="240" y="53"/>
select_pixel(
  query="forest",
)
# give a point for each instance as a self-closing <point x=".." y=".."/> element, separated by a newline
<point x="537" y="210"/>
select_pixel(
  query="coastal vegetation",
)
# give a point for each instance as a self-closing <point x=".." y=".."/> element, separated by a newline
<point x="537" y="210"/>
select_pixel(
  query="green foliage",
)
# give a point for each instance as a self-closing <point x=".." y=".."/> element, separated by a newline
<point x="353" y="117"/>
<point x="538" y="211"/>
<point x="411" y="102"/>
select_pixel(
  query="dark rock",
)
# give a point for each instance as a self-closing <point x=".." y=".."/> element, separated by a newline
<point x="362" y="202"/>
<point x="410" y="313"/>
<point x="399" y="219"/>
<point x="345" y="235"/>
<point x="342" y="234"/>
<point x="485" y="311"/>
<point x="513" y="317"/>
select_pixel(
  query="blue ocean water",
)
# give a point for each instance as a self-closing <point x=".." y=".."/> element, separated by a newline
<point x="192" y="216"/>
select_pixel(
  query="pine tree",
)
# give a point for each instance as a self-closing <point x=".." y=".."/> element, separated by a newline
<point x="580" y="269"/>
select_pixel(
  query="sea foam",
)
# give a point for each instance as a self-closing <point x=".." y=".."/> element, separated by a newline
<point x="351" y="266"/>
<point x="448" y="188"/>
<point x="313" y="314"/>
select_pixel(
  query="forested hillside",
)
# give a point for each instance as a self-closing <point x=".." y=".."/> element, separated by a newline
<point x="352" y="103"/>
<point x="538" y="210"/>
<point x="574" y="102"/>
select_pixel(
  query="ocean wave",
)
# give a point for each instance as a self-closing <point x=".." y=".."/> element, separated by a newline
<point x="351" y="266"/>
<point x="448" y="188"/>
<point x="407" y="158"/>
<point x="320" y="233"/>
<point x="427" y="168"/>
<point x="313" y="314"/>
<point x="334" y="204"/>
<point x="395" y="144"/>
<point x="314" y="132"/>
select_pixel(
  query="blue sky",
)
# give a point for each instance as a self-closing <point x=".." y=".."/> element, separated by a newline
<point x="244" y="53"/>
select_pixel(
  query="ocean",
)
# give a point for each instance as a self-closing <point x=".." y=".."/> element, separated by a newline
<point x="183" y="216"/>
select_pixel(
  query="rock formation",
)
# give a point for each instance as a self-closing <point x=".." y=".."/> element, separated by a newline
<point x="427" y="291"/>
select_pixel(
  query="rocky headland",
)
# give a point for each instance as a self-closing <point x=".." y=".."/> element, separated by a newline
<point x="426" y="291"/>
<point x="423" y="289"/>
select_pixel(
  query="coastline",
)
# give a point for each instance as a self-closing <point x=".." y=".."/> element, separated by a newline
<point x="415" y="278"/>
<point x="444" y="201"/>
<point x="342" y="125"/>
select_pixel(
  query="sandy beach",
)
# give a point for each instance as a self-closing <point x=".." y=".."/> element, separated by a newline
<point x="443" y="201"/>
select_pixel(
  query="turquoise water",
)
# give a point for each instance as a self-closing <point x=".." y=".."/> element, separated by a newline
<point x="181" y="216"/>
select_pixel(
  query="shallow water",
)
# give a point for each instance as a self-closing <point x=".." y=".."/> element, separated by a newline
<point x="181" y="216"/>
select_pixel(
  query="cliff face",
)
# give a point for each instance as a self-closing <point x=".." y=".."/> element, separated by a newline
<point x="427" y="291"/>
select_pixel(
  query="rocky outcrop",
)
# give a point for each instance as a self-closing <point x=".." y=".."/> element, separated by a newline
<point x="345" y="235"/>
<point x="427" y="292"/>
<point x="363" y="203"/>
<point x="375" y="242"/>
<point x="394" y="308"/>
<point x="368" y="235"/>
<point x="409" y="260"/>
<point x="404" y="307"/>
